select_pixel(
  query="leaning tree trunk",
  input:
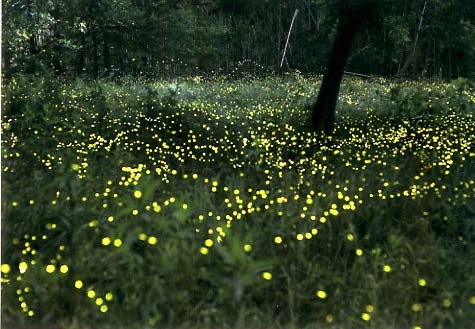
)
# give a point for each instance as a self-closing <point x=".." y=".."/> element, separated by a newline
<point x="412" y="55"/>
<point x="323" y="111"/>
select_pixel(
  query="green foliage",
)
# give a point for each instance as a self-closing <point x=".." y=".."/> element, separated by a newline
<point x="405" y="99"/>
<point x="435" y="99"/>
<point x="209" y="203"/>
<point x="166" y="39"/>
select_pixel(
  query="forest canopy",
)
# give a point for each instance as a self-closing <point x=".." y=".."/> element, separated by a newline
<point x="111" y="38"/>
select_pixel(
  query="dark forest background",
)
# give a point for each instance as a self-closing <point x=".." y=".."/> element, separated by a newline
<point x="151" y="38"/>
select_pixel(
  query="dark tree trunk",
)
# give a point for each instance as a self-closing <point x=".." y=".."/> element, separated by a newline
<point x="412" y="56"/>
<point x="82" y="56"/>
<point x="95" y="58"/>
<point x="33" y="63"/>
<point x="323" y="111"/>
<point x="106" y="53"/>
<point x="57" y="55"/>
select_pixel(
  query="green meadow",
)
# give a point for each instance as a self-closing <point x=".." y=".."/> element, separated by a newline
<point x="210" y="203"/>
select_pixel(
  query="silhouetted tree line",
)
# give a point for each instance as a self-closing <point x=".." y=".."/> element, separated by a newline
<point x="155" y="38"/>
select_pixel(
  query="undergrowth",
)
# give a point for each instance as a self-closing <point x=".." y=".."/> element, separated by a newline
<point x="210" y="203"/>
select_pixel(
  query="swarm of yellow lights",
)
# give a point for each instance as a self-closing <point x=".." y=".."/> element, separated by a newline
<point x="212" y="165"/>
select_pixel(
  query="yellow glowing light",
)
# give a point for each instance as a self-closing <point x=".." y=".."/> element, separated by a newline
<point x="422" y="282"/>
<point x="267" y="276"/>
<point x="109" y="296"/>
<point x="91" y="294"/>
<point x="359" y="252"/>
<point x="247" y="248"/>
<point x="64" y="269"/>
<point x="334" y="212"/>
<point x="5" y="268"/>
<point x="321" y="294"/>
<point x="366" y="316"/>
<point x="117" y="243"/>
<point x="204" y="250"/>
<point x="156" y="207"/>
<point x="278" y="239"/>
<point x="99" y="301"/>
<point x="472" y="300"/>
<point x="446" y="302"/>
<point x="104" y="308"/>
<point x="416" y="307"/>
<point x="78" y="284"/>
<point x="50" y="268"/>
<point x="329" y="318"/>
<point x="152" y="240"/>
<point x="23" y="266"/>
<point x="369" y="308"/>
<point x="106" y="241"/>
<point x="209" y="243"/>
<point x="350" y="237"/>
<point x="300" y="236"/>
<point x="387" y="268"/>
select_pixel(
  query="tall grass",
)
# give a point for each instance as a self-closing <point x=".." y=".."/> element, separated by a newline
<point x="210" y="203"/>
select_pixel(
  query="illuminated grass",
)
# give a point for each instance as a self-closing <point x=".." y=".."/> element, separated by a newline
<point x="211" y="203"/>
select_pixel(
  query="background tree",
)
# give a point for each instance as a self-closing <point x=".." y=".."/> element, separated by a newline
<point x="110" y="38"/>
<point x="352" y="15"/>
